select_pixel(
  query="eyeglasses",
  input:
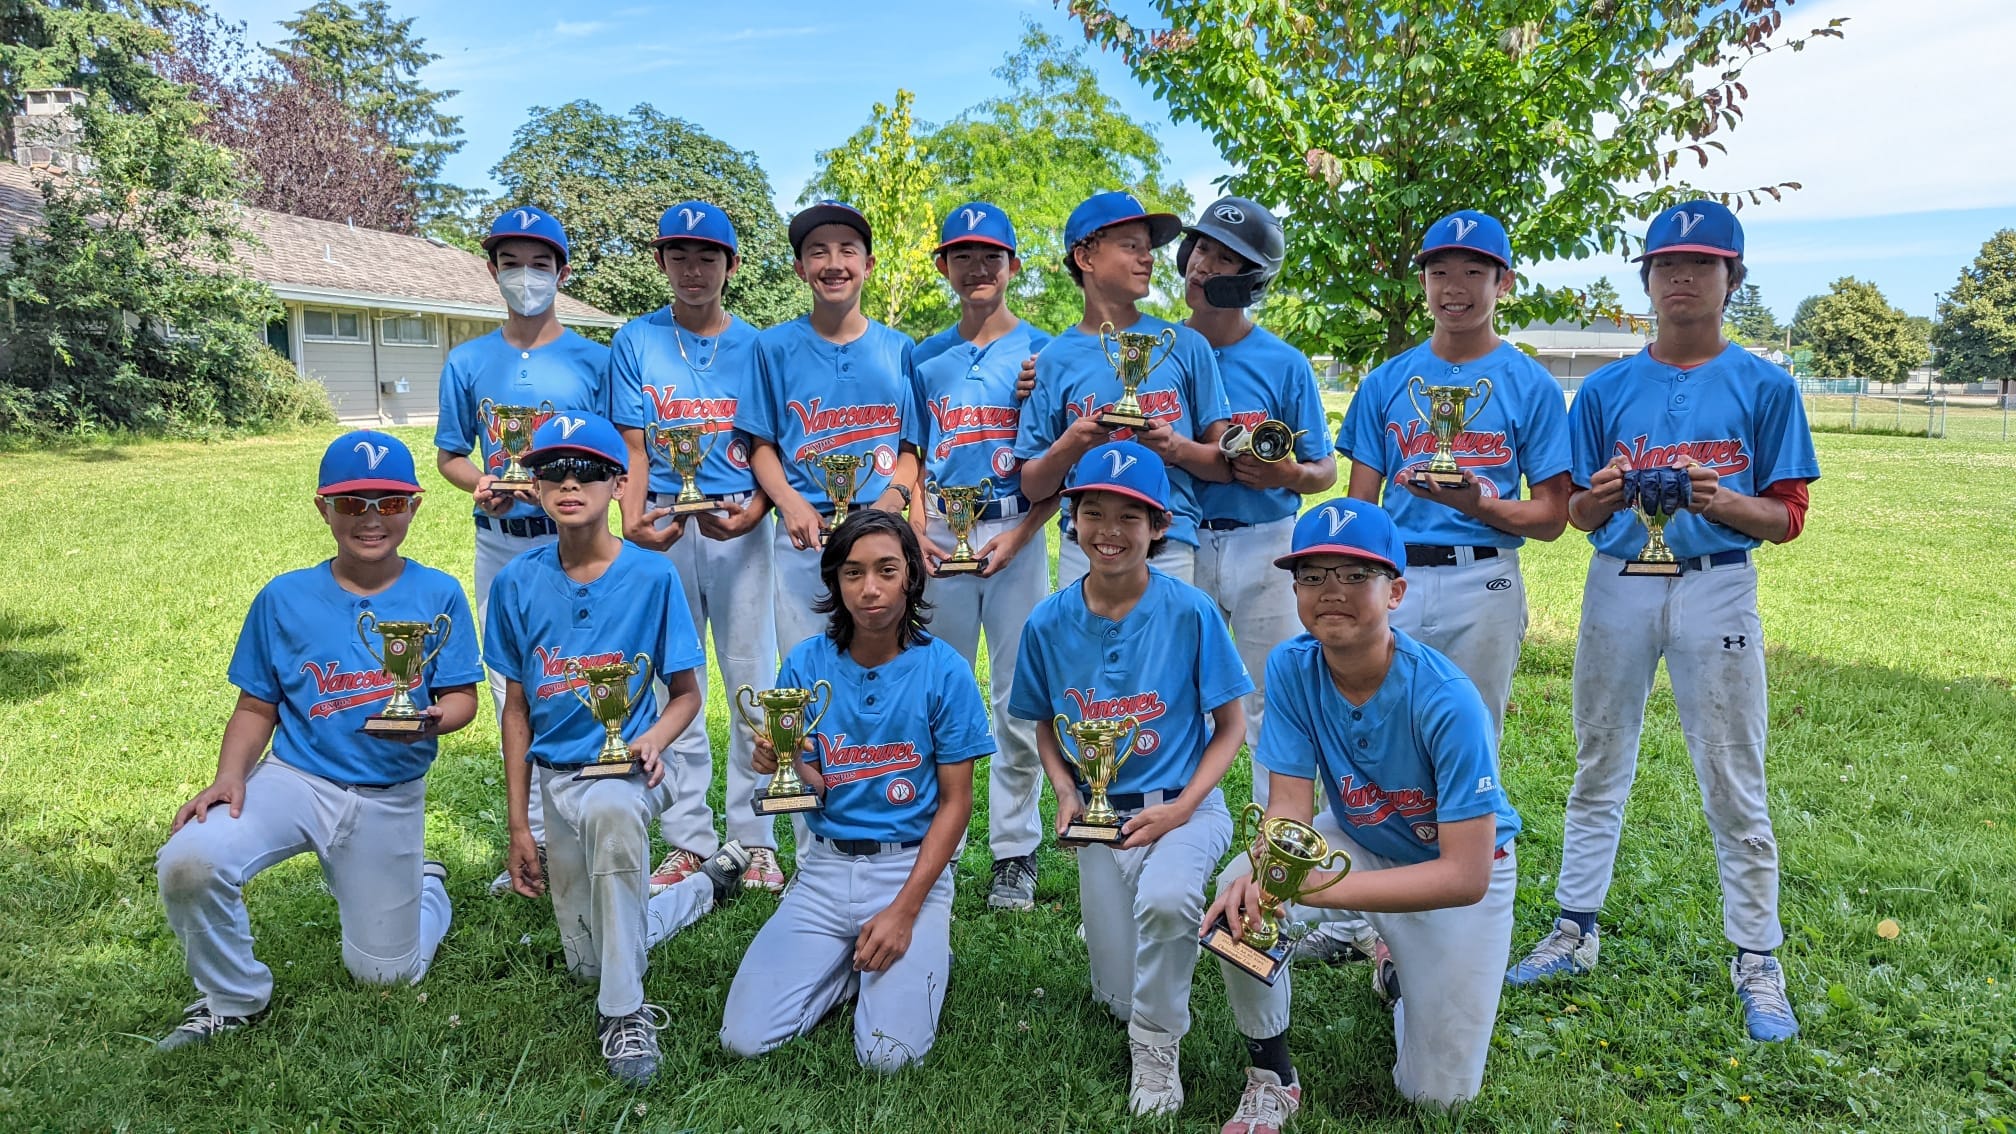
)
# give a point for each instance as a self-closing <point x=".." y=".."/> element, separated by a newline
<point x="1349" y="575"/>
<point x="358" y="505"/>
<point x="585" y="470"/>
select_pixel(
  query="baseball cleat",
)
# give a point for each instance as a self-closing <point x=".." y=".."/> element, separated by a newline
<point x="630" y="1044"/>
<point x="1760" y="985"/>
<point x="433" y="868"/>
<point x="1565" y="952"/>
<point x="200" y="1024"/>
<point x="763" y="871"/>
<point x="1155" y="1086"/>
<point x="1385" y="974"/>
<point x="1014" y="885"/>
<point x="1266" y="1106"/>
<point x="677" y="867"/>
<point x="724" y="868"/>
<point x="1334" y="943"/>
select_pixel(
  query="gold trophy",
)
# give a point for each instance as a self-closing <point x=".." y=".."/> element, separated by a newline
<point x="402" y="658"/>
<point x="1132" y="366"/>
<point x="1656" y="496"/>
<point x="1283" y="853"/>
<point x="1446" y="417"/>
<point x="1101" y="753"/>
<point x="785" y="726"/>
<point x="1270" y="441"/>
<point x="683" y="450"/>
<point x="839" y="471"/>
<point x="513" y="427"/>
<point x="608" y="696"/>
<point x="962" y="505"/>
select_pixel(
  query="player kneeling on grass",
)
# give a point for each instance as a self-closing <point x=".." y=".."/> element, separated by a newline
<point x="592" y="599"/>
<point x="306" y="682"/>
<point x="869" y="915"/>
<point x="1403" y="746"/>
<point x="1126" y="640"/>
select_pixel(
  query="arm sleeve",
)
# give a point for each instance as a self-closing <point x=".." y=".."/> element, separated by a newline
<point x="1287" y="742"/>
<point x="1208" y="404"/>
<point x="453" y="429"/>
<point x="1782" y="441"/>
<point x="1792" y="494"/>
<point x="912" y="392"/>
<point x="458" y="662"/>
<point x="756" y="411"/>
<point x="501" y="634"/>
<point x="625" y="380"/>
<point x="252" y="666"/>
<point x="1543" y="431"/>
<point x="959" y="729"/>
<point x="1456" y="729"/>
<point x="1363" y="434"/>
<point x="1587" y="453"/>
<point x="1037" y="427"/>
<point x="1305" y="411"/>
<point x="1221" y="676"/>
<point x="1029" y="699"/>
<point x="678" y="646"/>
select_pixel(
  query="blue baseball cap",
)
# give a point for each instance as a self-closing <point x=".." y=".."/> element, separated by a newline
<point x="976" y="222"/>
<point x="1126" y="467"/>
<point x="365" y="460"/>
<point x="696" y="220"/>
<point x="527" y="222"/>
<point x="1344" y="526"/>
<point x="1104" y="210"/>
<point x="830" y="212"/>
<point x="1467" y="230"/>
<point x="571" y="433"/>
<point x="1697" y="226"/>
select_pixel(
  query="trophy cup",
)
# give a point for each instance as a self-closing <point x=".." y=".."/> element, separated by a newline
<point x="839" y="472"/>
<point x="403" y="661"/>
<point x="684" y="452"/>
<point x="1283" y="852"/>
<point x="785" y="726"/>
<point x="608" y="696"/>
<point x="962" y="504"/>
<point x="1656" y="495"/>
<point x="513" y="427"/>
<point x="1132" y="366"/>
<point x="1445" y="416"/>
<point x="1100" y="756"/>
<point x="1270" y="441"/>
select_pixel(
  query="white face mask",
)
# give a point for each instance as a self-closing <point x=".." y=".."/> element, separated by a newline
<point x="528" y="291"/>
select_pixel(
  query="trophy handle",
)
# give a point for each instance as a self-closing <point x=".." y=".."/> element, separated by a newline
<point x="1414" y="398"/>
<point x="822" y="692"/>
<point x="546" y="407"/>
<point x="442" y="625"/>
<point x="1168" y="340"/>
<point x="713" y="438"/>
<point x="1247" y="833"/>
<point x="364" y="636"/>
<point x="754" y="726"/>
<point x="1107" y="329"/>
<point x="1125" y="750"/>
<point x="643" y="663"/>
<point x="1329" y="862"/>
<point x="575" y="672"/>
<point x="488" y="408"/>
<point x="1062" y="747"/>
<point x="986" y="491"/>
<point x="1485" y="385"/>
<point x="933" y="488"/>
<point x="651" y="436"/>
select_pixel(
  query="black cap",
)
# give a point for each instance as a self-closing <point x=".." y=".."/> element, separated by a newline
<point x="829" y="212"/>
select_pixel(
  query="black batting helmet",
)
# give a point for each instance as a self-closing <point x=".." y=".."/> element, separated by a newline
<point x="1249" y="230"/>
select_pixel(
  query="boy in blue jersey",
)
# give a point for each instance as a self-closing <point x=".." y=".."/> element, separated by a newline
<point x="1691" y="400"/>
<point x="529" y="361"/>
<point x="307" y="680"/>
<point x="830" y="383"/>
<point x="869" y="916"/>
<point x="689" y="364"/>
<point x="1126" y="640"/>
<point x="593" y="599"/>
<point x="1405" y="752"/>
<point x="1227" y="259"/>
<point x="966" y="378"/>
<point x="1110" y="243"/>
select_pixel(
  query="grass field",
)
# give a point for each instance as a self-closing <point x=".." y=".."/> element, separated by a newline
<point x="1893" y="785"/>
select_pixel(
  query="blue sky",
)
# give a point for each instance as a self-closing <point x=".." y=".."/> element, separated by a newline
<point x="1883" y="128"/>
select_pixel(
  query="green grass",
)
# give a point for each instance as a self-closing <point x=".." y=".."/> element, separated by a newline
<point x="1893" y="786"/>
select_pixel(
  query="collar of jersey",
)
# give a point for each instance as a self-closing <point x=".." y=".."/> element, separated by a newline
<point x="855" y="673"/>
<point x="566" y="584"/>
<point x="1150" y="602"/>
<point x="325" y="575"/>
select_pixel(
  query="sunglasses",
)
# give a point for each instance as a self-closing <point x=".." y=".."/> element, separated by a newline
<point x="358" y="505"/>
<point x="583" y="470"/>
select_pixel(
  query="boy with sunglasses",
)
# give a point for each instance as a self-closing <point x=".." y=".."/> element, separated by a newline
<point x="1405" y="753"/>
<point x="594" y="599"/>
<point x="306" y="682"/>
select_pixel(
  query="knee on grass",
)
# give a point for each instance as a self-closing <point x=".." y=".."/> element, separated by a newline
<point x="617" y="826"/>
<point x="184" y="873"/>
<point x="888" y="1055"/>
<point x="367" y="969"/>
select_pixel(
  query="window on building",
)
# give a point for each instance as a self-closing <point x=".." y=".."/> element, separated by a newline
<point x="329" y="325"/>
<point x="406" y="330"/>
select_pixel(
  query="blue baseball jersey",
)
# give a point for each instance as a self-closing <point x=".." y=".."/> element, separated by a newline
<point x="1419" y="754"/>
<point x="817" y="397"/>
<point x="539" y="619"/>
<point x="1736" y="413"/>
<point x="1264" y="379"/>
<point x="972" y="413"/>
<point x="1075" y="378"/>
<point x="884" y="733"/>
<point x="571" y="372"/>
<point x="1167" y="664"/>
<point x="1521" y="430"/>
<point x="653" y="381"/>
<point x="301" y="650"/>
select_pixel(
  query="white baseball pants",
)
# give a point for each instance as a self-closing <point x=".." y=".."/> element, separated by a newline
<point x="1236" y="568"/>
<point x="798" y="586"/>
<point x="1475" y="614"/>
<point x="494" y="549"/>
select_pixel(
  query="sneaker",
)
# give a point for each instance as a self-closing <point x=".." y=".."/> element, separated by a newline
<point x="1385" y="974"/>
<point x="1154" y="1087"/>
<point x="630" y="1044"/>
<point x="677" y="867"/>
<point x="724" y="868"/>
<point x="1332" y="943"/>
<point x="432" y="868"/>
<point x="1014" y="885"/>
<point x="501" y="885"/>
<point x="1565" y="952"/>
<point x="200" y="1023"/>
<point x="1266" y="1106"/>
<point x="1760" y="985"/>
<point x="763" y="872"/>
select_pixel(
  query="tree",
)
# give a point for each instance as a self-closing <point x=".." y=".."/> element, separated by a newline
<point x="1754" y="323"/>
<point x="1802" y="320"/>
<point x="882" y="170"/>
<point x="1602" y="294"/>
<point x="608" y="177"/>
<point x="1855" y="333"/>
<point x="102" y="46"/>
<point x="1365" y="122"/>
<point x="1976" y="332"/>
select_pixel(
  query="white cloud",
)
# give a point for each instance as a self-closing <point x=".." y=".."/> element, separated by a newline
<point x="567" y="29"/>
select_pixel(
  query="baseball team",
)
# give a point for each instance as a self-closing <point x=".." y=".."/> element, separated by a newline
<point x="1360" y="650"/>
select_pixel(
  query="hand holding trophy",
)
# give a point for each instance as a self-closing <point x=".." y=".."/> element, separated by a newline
<point x="1656" y="495"/>
<point x="962" y="505"/>
<point x="1101" y="753"/>
<point x="609" y="698"/>
<point x="513" y="427"/>
<point x="785" y="726"/>
<point x="1270" y="442"/>
<point x="1446" y="416"/>
<point x="684" y="452"/>
<point x="838" y="472"/>
<point x="1132" y="365"/>
<point x="1283" y="852"/>
<point x="400" y="654"/>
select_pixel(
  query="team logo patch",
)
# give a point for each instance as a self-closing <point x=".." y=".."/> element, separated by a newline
<point x="1336" y="518"/>
<point x="885" y="459"/>
<point x="1498" y="585"/>
<point x="1686" y="221"/>
<point x="1120" y="461"/>
<point x="1230" y="214"/>
<point x="526" y="218"/>
<point x="738" y="453"/>
<point x="372" y="453"/>
<point x="569" y="424"/>
<point x="1004" y="461"/>
<point x="973" y="217"/>
<point x="900" y="792"/>
<point x="396" y="646"/>
<point x="1147" y="740"/>
<point x="692" y="217"/>
<point x="1463" y="227"/>
<point x="1426" y="832"/>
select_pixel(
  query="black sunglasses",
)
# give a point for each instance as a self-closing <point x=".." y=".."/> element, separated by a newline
<point x="584" y="470"/>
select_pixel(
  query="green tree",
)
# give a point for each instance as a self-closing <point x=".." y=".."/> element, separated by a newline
<point x="608" y="178"/>
<point x="1802" y="320"/>
<point x="1754" y="323"/>
<point x="1365" y="122"/>
<point x="103" y="46"/>
<point x="1976" y="332"/>
<point x="1602" y="294"/>
<point x="1855" y="333"/>
<point x="882" y="170"/>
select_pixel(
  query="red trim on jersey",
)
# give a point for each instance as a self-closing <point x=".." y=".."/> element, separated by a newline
<point x="1792" y="494"/>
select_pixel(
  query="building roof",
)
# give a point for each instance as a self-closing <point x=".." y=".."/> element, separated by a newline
<point x="313" y="261"/>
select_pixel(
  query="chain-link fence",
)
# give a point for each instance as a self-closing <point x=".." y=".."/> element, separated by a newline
<point x="1912" y="414"/>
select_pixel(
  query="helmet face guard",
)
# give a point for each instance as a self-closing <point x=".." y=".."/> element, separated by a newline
<point x="1251" y="233"/>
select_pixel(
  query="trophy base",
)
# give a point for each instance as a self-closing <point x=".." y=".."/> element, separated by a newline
<point x="695" y="507"/>
<point x="1083" y="834"/>
<point x="397" y="726"/>
<point x="601" y="771"/>
<point x="1655" y="568"/>
<point x="1263" y="965"/>
<point x="515" y="484"/>
<point x="1112" y="420"/>
<point x="785" y="804"/>
<point x="950" y="567"/>
<point x="1439" y="479"/>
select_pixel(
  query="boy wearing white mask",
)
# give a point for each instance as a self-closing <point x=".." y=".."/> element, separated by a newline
<point x="533" y="362"/>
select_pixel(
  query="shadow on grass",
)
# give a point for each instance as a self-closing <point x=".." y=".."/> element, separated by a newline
<point x="27" y="673"/>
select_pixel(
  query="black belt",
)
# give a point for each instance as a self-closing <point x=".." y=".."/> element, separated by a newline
<point x="1719" y="559"/>
<point x="377" y="787"/>
<point x="552" y="767"/>
<point x="995" y="510"/>
<point x="1130" y="802"/>
<point x="1223" y="525"/>
<point x="526" y="527"/>
<point x="1436" y="555"/>
<point x="867" y="846"/>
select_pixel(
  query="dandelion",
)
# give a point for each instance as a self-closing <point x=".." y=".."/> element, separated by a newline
<point x="1733" y="1063"/>
<point x="1744" y="1099"/>
<point x="1602" y="1043"/>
